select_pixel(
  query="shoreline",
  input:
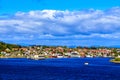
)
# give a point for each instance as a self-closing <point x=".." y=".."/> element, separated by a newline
<point x="58" y="58"/>
<point x="113" y="60"/>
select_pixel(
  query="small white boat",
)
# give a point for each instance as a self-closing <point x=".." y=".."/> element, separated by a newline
<point x="59" y="56"/>
<point x="37" y="57"/>
<point x="86" y="63"/>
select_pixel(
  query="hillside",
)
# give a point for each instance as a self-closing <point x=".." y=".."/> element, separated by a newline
<point x="3" y="46"/>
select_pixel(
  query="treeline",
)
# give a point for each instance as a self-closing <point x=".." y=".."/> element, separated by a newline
<point x="94" y="47"/>
<point x="4" y="46"/>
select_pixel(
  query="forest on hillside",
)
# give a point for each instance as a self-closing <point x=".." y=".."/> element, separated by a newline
<point x="4" y="46"/>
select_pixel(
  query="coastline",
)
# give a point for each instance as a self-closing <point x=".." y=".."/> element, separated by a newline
<point x="113" y="60"/>
<point x="59" y="58"/>
<point x="12" y="57"/>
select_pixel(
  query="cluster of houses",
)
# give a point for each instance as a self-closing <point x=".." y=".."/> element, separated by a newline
<point x="37" y="52"/>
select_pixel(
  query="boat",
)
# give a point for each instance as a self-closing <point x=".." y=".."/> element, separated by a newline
<point x="86" y="63"/>
<point x="37" y="57"/>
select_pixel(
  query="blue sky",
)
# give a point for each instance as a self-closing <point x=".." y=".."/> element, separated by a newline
<point x="60" y="22"/>
<point x="12" y="6"/>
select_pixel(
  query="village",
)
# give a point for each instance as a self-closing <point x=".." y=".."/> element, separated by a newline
<point x="41" y="52"/>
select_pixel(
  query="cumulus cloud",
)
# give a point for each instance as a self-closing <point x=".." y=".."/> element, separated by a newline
<point x="57" y="24"/>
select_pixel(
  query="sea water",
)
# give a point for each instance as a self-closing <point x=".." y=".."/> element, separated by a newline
<point x="59" y="69"/>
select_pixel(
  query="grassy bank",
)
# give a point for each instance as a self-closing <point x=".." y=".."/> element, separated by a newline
<point x="115" y="60"/>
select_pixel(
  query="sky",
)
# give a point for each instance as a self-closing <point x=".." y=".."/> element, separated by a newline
<point x="60" y="22"/>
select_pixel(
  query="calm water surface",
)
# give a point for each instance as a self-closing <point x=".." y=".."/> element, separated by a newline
<point x="59" y="69"/>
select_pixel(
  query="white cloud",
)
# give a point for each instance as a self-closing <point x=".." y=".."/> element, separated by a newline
<point x="57" y="24"/>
